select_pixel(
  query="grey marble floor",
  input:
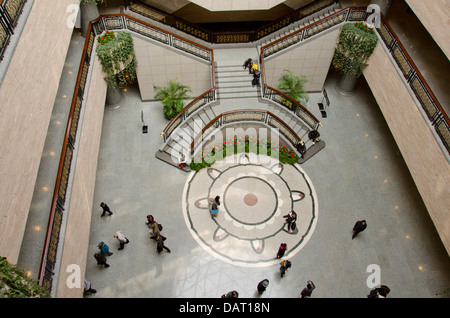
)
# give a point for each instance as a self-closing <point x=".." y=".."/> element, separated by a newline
<point x="360" y="174"/>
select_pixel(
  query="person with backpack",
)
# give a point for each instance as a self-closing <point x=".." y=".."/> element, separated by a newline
<point x="104" y="249"/>
<point x="285" y="265"/>
<point x="156" y="229"/>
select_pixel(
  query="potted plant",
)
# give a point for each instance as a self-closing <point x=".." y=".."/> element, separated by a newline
<point x="172" y="97"/>
<point x="355" y="45"/>
<point x="117" y="57"/>
<point x="293" y="86"/>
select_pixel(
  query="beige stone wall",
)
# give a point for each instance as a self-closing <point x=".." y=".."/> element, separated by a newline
<point x="435" y="16"/>
<point x="27" y="96"/>
<point x="423" y="156"/>
<point x="77" y="231"/>
<point x="311" y="59"/>
<point x="157" y="65"/>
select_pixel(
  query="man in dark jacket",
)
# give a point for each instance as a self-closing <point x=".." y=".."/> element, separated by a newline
<point x="106" y="209"/>
<point x="359" y="227"/>
<point x="248" y="64"/>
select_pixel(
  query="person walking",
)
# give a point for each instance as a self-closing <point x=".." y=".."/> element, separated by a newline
<point x="121" y="238"/>
<point x="104" y="249"/>
<point x="291" y="218"/>
<point x="248" y="63"/>
<point x="155" y="229"/>
<point x="215" y="206"/>
<point x="101" y="259"/>
<point x="262" y="285"/>
<point x="182" y="161"/>
<point x="150" y="219"/>
<point x="285" y="265"/>
<point x="381" y="291"/>
<point x="106" y="209"/>
<point x="231" y="294"/>
<point x="359" y="227"/>
<point x="307" y="291"/>
<point x="88" y="288"/>
<point x="160" y="244"/>
<point x="281" y="250"/>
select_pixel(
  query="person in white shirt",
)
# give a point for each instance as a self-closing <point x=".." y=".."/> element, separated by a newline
<point x="121" y="238"/>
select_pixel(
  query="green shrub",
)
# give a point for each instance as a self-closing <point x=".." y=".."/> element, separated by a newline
<point x="244" y="144"/>
<point x="14" y="283"/>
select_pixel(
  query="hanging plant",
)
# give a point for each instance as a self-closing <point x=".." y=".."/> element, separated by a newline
<point x="355" y="45"/>
<point x="116" y="54"/>
<point x="14" y="283"/>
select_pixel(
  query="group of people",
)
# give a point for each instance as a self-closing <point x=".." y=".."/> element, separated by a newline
<point x="155" y="234"/>
<point x="380" y="291"/>
<point x="262" y="286"/>
<point x="253" y="70"/>
<point x="104" y="251"/>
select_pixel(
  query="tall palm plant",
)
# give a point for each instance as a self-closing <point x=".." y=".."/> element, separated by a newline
<point x="172" y="97"/>
<point x="293" y="86"/>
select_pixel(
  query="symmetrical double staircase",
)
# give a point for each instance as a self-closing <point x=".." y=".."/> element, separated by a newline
<point x="234" y="92"/>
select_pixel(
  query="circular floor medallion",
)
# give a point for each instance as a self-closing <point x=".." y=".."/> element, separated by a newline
<point x="255" y="197"/>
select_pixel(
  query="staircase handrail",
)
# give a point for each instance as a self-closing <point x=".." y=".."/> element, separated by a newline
<point x="286" y="130"/>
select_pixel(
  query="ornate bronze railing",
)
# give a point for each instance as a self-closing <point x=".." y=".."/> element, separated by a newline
<point x="436" y="114"/>
<point x="10" y="11"/>
<point x="246" y="115"/>
<point x="430" y="104"/>
<point x="96" y="27"/>
<point x="228" y="37"/>
<point x="48" y="260"/>
<point x="200" y="101"/>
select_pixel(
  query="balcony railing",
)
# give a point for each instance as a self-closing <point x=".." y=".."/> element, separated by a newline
<point x="436" y="115"/>
<point x="227" y="37"/>
<point x="245" y="115"/>
<point x="433" y="109"/>
<point x="10" y="11"/>
<point x="96" y="27"/>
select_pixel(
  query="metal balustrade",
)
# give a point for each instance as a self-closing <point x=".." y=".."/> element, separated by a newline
<point x="415" y="81"/>
<point x="96" y="27"/>
<point x="245" y="115"/>
<point x="418" y="85"/>
<point x="228" y="37"/>
<point x="10" y="11"/>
